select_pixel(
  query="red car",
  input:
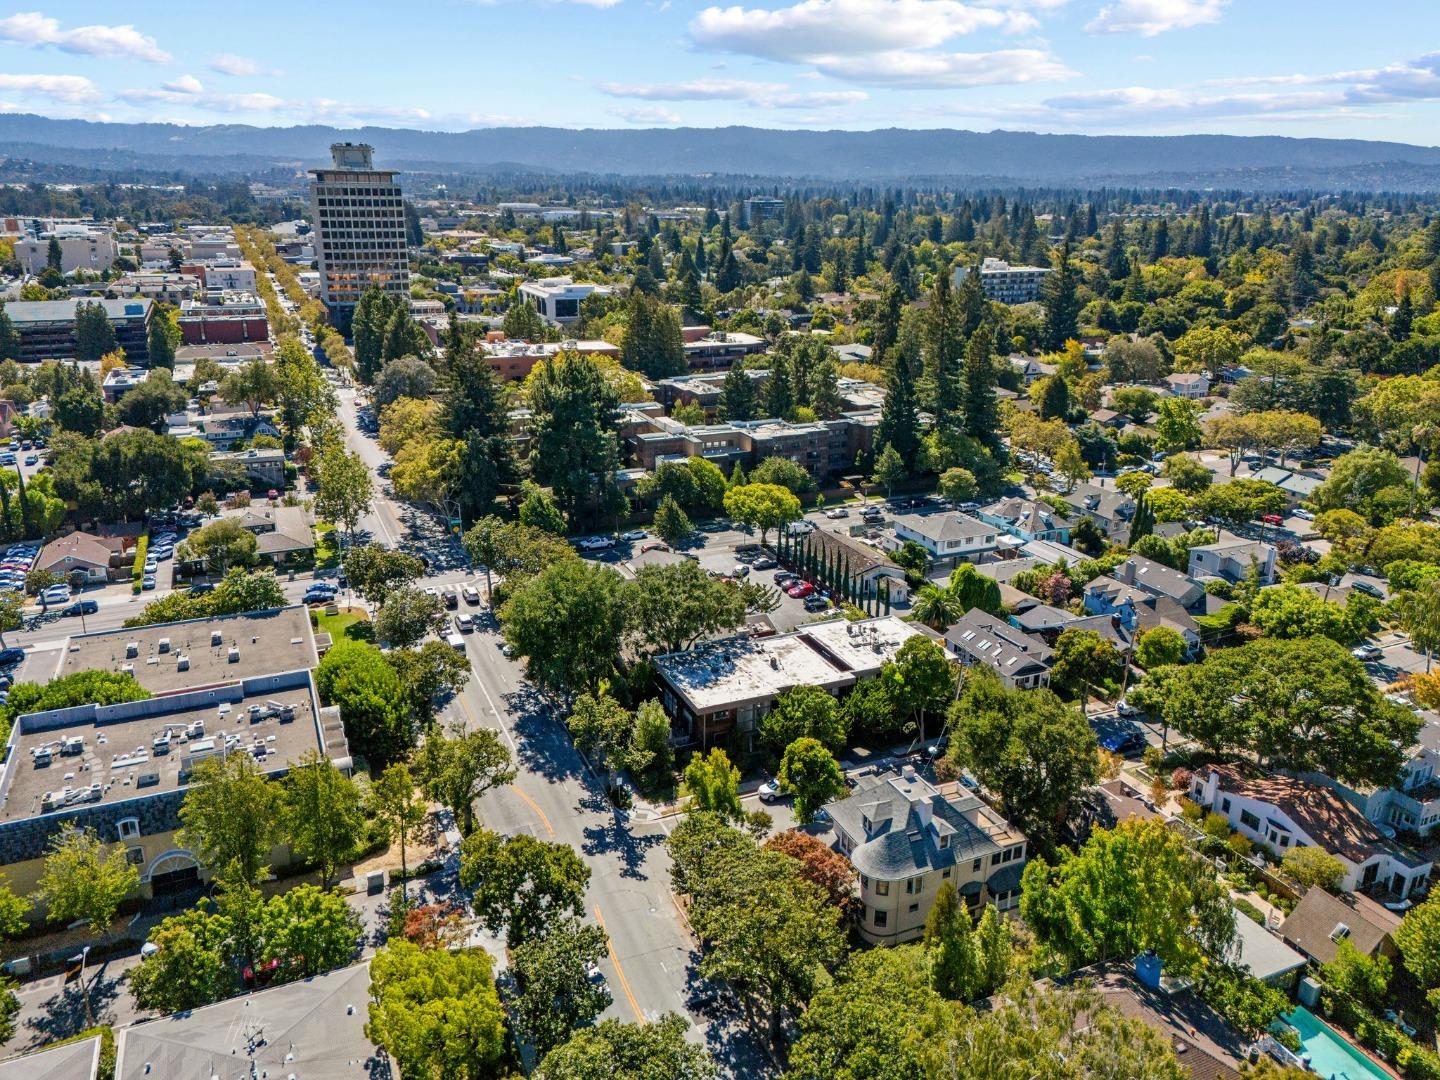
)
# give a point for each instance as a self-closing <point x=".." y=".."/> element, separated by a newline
<point x="799" y="592"/>
<point x="1272" y="519"/>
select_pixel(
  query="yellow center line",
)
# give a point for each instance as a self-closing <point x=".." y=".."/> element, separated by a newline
<point x="619" y="971"/>
<point x="514" y="787"/>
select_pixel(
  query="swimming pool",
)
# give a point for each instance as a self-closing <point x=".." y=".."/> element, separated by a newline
<point x="1331" y="1056"/>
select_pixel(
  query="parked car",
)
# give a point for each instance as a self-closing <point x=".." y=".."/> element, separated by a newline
<point x="800" y="591"/>
<point x="148" y="582"/>
<point x="596" y="543"/>
<point x="633" y="535"/>
<point x="456" y="642"/>
<point x="201" y="588"/>
<point x="765" y="562"/>
<point x="1271" y="519"/>
<point x="471" y="594"/>
<point x="317" y="596"/>
<point x="769" y="791"/>
<point x="1125" y="740"/>
<point x="55" y="594"/>
<point x="1366" y="652"/>
<point x="465" y="622"/>
<point x="740" y="570"/>
<point x="451" y="599"/>
<point x="837" y="513"/>
<point x="816" y="603"/>
<point x="81" y="607"/>
<point x="151" y="565"/>
<point x="800" y="528"/>
<point x="10" y="657"/>
<point x="1369" y="590"/>
<point x="32" y="459"/>
<point x="1124" y="708"/>
<point x="781" y="575"/>
<point x="1304" y="515"/>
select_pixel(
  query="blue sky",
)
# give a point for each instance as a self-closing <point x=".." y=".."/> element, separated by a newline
<point x="1324" y="67"/>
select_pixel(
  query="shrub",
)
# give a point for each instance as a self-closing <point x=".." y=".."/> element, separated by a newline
<point x="1191" y="811"/>
<point x="1180" y="779"/>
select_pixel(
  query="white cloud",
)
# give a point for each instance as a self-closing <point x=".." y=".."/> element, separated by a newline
<point x="935" y="70"/>
<point x="1151" y="17"/>
<point x="595" y="3"/>
<point x="69" y="89"/>
<point x="647" y="115"/>
<point x="39" y="30"/>
<point x="230" y="64"/>
<point x="186" y="84"/>
<point x="694" y="90"/>
<point x="813" y="28"/>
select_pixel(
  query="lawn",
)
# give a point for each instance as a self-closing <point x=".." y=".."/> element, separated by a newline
<point x="327" y="553"/>
<point x="345" y="623"/>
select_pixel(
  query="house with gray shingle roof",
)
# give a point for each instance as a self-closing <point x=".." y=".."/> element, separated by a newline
<point x="906" y="838"/>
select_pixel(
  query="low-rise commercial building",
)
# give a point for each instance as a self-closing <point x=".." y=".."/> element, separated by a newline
<point x="906" y="839"/>
<point x="224" y="318"/>
<point x="558" y="299"/>
<point x="723" y="688"/>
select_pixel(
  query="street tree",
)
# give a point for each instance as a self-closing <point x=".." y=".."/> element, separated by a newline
<point x="672" y="524"/>
<point x="231" y="816"/>
<point x="567" y="622"/>
<point x="307" y="930"/>
<point x="324" y="820"/>
<point x="673" y="606"/>
<point x="458" y="769"/>
<point x="436" y="1012"/>
<point x="358" y="678"/>
<point x="407" y="615"/>
<point x="810" y="773"/>
<point x="374" y="570"/>
<point x="920" y="680"/>
<point x="521" y="885"/>
<point x="1158" y="646"/>
<point x="344" y="488"/>
<point x="220" y="545"/>
<point x="762" y="506"/>
<point x="556" y="995"/>
<point x="192" y="964"/>
<point x="820" y="865"/>
<point x="615" y="1051"/>
<point x="400" y="813"/>
<point x="712" y="785"/>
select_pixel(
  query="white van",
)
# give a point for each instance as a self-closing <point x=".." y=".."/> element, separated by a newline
<point x="456" y="642"/>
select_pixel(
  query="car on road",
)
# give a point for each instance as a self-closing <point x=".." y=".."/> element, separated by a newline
<point x="10" y="657"/>
<point x="80" y="607"/>
<point x="769" y="791"/>
<point x="506" y="649"/>
<point x="148" y="582"/>
<point x="595" y="543"/>
<point x="55" y="594"/>
<point x="200" y="588"/>
<point x="1369" y="590"/>
<point x="837" y="513"/>
<point x="456" y="642"/>
<point x="1272" y="519"/>
<point x="800" y="528"/>
<point x="781" y="575"/>
<point x="968" y="507"/>
<point x="465" y="622"/>
<point x="634" y="535"/>
<point x="872" y="515"/>
<point x="765" y="562"/>
<point x="1124" y="708"/>
<point x="317" y="596"/>
<point x="1366" y="652"/>
<point x="1124" y="740"/>
<point x="471" y="594"/>
<point x="714" y="526"/>
<point x="1304" y="515"/>
<point x="800" y="591"/>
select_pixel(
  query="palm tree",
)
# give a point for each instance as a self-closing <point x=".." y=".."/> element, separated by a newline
<point x="936" y="607"/>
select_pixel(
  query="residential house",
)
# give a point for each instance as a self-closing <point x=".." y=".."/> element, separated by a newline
<point x="313" y="1028"/>
<point x="1283" y="812"/>
<point x="1190" y="385"/>
<point x="283" y="534"/>
<point x="1321" y="920"/>
<point x="1110" y="508"/>
<point x="1231" y="558"/>
<point x="1027" y="519"/>
<point x="96" y="558"/>
<point x="726" y="686"/>
<point x="1412" y="805"/>
<point x="221" y="429"/>
<point x="1137" y="610"/>
<point x="1160" y="580"/>
<point x="1264" y="954"/>
<point x="866" y="564"/>
<point x="1021" y="660"/>
<point x="950" y="538"/>
<point x="1042" y="620"/>
<point x="906" y="839"/>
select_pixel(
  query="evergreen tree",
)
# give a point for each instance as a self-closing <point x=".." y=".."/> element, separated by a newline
<point x="728" y="277"/>
<point x="9" y="337"/>
<point x="900" y="411"/>
<point x="1062" y="305"/>
<point x="779" y="391"/>
<point x="971" y="301"/>
<point x="473" y="411"/>
<point x="54" y="256"/>
<point x="887" y="326"/>
<point x="982" y="415"/>
<point x="653" y="343"/>
<point x="1054" y="399"/>
<point x="738" y="397"/>
<point x="823" y="390"/>
<point x="1403" y="321"/>
<point x="945" y="347"/>
<point x="576" y="449"/>
<point x="162" y="337"/>
<point x="1143" y="523"/>
<point x="94" y="336"/>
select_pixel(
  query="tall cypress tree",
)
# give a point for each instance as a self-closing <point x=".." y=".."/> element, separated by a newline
<point x="779" y="393"/>
<point x="971" y="302"/>
<point x="982" y="415"/>
<point x="900" y="411"/>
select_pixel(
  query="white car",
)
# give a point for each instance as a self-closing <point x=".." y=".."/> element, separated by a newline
<point x="151" y="565"/>
<point x="837" y="513"/>
<point x="596" y="543"/>
<point x="1366" y="652"/>
<point x="634" y="535"/>
<point x="740" y="570"/>
<point x="800" y="528"/>
<point x="1304" y="515"/>
<point x="769" y="791"/>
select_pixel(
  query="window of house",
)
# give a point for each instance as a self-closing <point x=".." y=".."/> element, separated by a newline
<point x="975" y="867"/>
<point x="1249" y="820"/>
<point x="914" y="908"/>
<point x="881" y="917"/>
<point x="128" y="828"/>
<point x="945" y="873"/>
<point x="914" y="885"/>
<point x="864" y="882"/>
<point x="1225" y="806"/>
<point x="135" y="856"/>
<point x="882" y="888"/>
<point x="995" y="859"/>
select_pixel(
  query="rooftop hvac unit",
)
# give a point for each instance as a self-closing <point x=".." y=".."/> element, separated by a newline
<point x="132" y="648"/>
<point x="73" y="745"/>
<point x="233" y="656"/>
<point x="216" y="637"/>
<point x="164" y="644"/>
<point x="182" y="662"/>
<point x="127" y="669"/>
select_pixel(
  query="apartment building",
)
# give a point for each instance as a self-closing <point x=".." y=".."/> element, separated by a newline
<point x="47" y="327"/>
<point x="906" y="839"/>
<point x="558" y="299"/>
<point x="950" y="538"/>
<point x="1005" y="283"/>
<point x="823" y="448"/>
<point x="230" y="275"/>
<point x="223" y="318"/>
<point x="82" y="247"/>
<point x="359" y="230"/>
<point x="718" y="350"/>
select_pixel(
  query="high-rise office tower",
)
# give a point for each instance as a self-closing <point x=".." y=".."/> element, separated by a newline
<point x="359" y="230"/>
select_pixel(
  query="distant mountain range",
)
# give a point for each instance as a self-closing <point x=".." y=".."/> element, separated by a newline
<point x="968" y="158"/>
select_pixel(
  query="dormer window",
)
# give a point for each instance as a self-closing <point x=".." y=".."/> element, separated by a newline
<point x="944" y="842"/>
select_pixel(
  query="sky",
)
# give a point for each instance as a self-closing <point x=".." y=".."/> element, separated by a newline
<point x="1331" y="68"/>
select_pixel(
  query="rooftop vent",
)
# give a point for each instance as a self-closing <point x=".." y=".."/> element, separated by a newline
<point x="216" y="637"/>
<point x="164" y="644"/>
